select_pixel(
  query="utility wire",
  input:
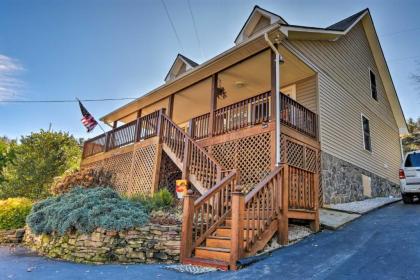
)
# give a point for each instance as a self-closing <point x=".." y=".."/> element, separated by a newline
<point x="195" y="29"/>
<point x="172" y="25"/>
<point x="65" y="100"/>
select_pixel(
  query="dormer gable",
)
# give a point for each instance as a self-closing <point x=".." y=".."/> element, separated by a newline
<point x="258" y="20"/>
<point x="181" y="65"/>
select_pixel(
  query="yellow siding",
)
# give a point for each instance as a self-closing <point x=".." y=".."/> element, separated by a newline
<point x="306" y="93"/>
<point x="344" y="92"/>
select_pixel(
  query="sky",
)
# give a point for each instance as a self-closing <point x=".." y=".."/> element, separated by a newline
<point x="93" y="49"/>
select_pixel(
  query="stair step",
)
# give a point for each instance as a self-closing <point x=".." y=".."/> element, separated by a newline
<point x="218" y="242"/>
<point x="253" y="224"/>
<point x="221" y="254"/>
<point x="225" y="231"/>
<point x="207" y="263"/>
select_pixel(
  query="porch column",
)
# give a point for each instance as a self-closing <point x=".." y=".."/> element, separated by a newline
<point x="275" y="61"/>
<point x="213" y="103"/>
<point x="171" y="106"/>
<point x="273" y="86"/>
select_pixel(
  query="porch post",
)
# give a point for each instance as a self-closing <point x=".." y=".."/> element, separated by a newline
<point x="213" y="103"/>
<point x="171" y="106"/>
<point x="273" y="97"/>
<point x="275" y="86"/>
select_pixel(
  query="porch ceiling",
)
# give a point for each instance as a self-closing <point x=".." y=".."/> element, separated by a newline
<point x="241" y="81"/>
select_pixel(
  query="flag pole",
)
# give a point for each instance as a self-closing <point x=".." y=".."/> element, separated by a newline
<point x="77" y="99"/>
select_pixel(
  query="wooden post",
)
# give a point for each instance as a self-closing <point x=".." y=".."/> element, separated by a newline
<point x="213" y="104"/>
<point x="283" y="219"/>
<point x="137" y="131"/>
<point x="159" y="128"/>
<point x="114" y="125"/>
<point x="186" y="160"/>
<point x="191" y="128"/>
<point x="315" y="224"/>
<point x="237" y="229"/>
<point x="187" y="226"/>
<point x="158" y="157"/>
<point x="107" y="141"/>
<point x="171" y="106"/>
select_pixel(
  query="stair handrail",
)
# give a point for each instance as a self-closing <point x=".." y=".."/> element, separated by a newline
<point x="190" y="139"/>
<point x="194" y="158"/>
<point x="203" y="216"/>
<point x="255" y="212"/>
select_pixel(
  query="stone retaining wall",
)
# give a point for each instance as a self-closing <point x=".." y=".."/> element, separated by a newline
<point x="151" y="243"/>
<point x="8" y="236"/>
<point x="342" y="181"/>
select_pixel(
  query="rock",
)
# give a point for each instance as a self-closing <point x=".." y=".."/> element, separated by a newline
<point x="148" y="244"/>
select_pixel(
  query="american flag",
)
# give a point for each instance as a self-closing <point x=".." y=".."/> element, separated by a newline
<point x="88" y="120"/>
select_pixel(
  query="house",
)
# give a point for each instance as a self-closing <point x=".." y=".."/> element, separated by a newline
<point x="288" y="118"/>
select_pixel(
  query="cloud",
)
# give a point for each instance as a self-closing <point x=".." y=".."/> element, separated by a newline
<point x="10" y="85"/>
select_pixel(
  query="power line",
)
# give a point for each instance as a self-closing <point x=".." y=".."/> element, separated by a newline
<point x="195" y="29"/>
<point x="172" y="25"/>
<point x="65" y="100"/>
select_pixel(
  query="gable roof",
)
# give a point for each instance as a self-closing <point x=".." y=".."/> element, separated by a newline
<point x="332" y="32"/>
<point x="252" y="22"/>
<point x="347" y="22"/>
<point x="341" y="28"/>
<point x="179" y="61"/>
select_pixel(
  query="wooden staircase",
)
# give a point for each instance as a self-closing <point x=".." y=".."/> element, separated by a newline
<point x="224" y="225"/>
<point x="199" y="167"/>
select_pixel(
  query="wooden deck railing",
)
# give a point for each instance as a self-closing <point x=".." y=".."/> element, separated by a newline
<point x="195" y="159"/>
<point x="252" y="111"/>
<point x="139" y="129"/>
<point x="262" y="205"/>
<point x="200" y="126"/>
<point x="94" y="146"/>
<point x="202" y="217"/>
<point x="297" y="116"/>
<point x="302" y="191"/>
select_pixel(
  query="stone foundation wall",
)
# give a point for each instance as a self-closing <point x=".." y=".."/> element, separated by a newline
<point x="342" y="181"/>
<point x="9" y="236"/>
<point x="149" y="244"/>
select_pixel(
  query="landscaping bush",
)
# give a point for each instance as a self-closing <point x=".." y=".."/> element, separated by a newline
<point x="86" y="178"/>
<point x="84" y="210"/>
<point x="161" y="201"/>
<point x="13" y="212"/>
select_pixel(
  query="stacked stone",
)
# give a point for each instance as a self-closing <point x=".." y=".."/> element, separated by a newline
<point x="151" y="243"/>
<point x="10" y="236"/>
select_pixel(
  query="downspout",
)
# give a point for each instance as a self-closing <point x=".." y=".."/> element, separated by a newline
<point x="402" y="149"/>
<point x="278" y="60"/>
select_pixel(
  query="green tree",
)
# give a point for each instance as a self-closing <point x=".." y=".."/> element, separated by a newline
<point x="6" y="156"/>
<point x="411" y="125"/>
<point x="39" y="158"/>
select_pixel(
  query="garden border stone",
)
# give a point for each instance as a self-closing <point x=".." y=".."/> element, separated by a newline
<point x="151" y="243"/>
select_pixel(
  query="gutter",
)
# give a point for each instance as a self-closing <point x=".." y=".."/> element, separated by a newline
<point x="278" y="60"/>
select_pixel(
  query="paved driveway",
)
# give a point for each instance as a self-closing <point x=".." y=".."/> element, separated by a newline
<point x="384" y="244"/>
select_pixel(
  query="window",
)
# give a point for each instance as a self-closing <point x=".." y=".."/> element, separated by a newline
<point x="373" y="88"/>
<point x="413" y="160"/>
<point x="366" y="134"/>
